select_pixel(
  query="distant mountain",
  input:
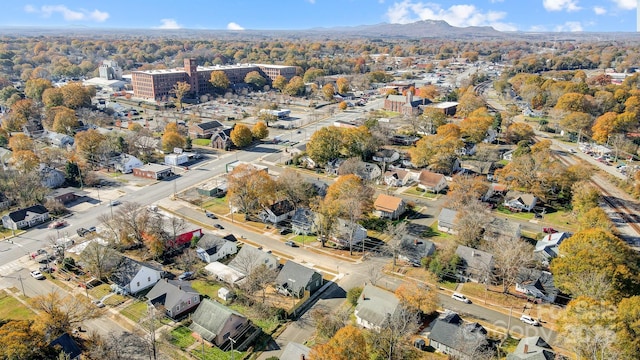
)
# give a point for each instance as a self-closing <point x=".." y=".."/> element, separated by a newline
<point x="418" y="29"/>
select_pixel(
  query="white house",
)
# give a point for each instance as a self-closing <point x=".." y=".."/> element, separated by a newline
<point x="374" y="306"/>
<point x="126" y="163"/>
<point x="280" y="211"/>
<point x="399" y="177"/>
<point x="346" y="230"/>
<point x="212" y="248"/>
<point x="519" y="201"/>
<point x="131" y="276"/>
<point x="25" y="218"/>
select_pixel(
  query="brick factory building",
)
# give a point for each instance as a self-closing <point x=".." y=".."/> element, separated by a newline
<point x="157" y="84"/>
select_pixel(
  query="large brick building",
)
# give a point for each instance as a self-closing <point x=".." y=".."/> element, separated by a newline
<point x="157" y="84"/>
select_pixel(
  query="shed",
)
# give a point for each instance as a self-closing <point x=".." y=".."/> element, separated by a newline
<point x="225" y="294"/>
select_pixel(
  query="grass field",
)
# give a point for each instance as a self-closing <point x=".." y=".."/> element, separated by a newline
<point x="12" y="309"/>
<point x="201" y="142"/>
<point x="208" y="288"/>
<point x="181" y="337"/>
<point x="135" y="311"/>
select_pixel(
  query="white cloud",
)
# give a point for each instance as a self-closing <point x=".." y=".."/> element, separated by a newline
<point x="559" y="5"/>
<point x="538" y="28"/>
<point x="570" y="26"/>
<point x="626" y="4"/>
<point x="311" y="1"/>
<point x="599" y="10"/>
<point x="457" y="15"/>
<point x="68" y="14"/>
<point x="234" y="26"/>
<point x="169" y="24"/>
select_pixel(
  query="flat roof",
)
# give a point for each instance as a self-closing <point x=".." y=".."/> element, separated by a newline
<point x="211" y="68"/>
<point x="155" y="167"/>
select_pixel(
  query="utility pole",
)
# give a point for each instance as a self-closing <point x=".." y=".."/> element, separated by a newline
<point x="509" y="322"/>
<point x="233" y="355"/>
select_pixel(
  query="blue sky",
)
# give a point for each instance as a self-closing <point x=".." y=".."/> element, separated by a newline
<point x="505" y="15"/>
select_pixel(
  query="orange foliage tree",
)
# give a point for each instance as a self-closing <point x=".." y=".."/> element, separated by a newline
<point x="347" y="344"/>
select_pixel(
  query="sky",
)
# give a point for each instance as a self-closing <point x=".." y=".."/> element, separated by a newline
<point x="503" y="15"/>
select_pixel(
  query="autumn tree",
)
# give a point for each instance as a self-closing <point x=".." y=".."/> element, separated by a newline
<point x="180" y="89"/>
<point x="419" y="297"/>
<point x="596" y="218"/>
<point x="256" y="80"/>
<point x="75" y="95"/>
<point x="22" y="339"/>
<point x="65" y="121"/>
<point x="439" y="150"/>
<point x="604" y="126"/>
<point x="219" y="81"/>
<point x="20" y="141"/>
<point x="342" y="85"/>
<point x="325" y="145"/>
<point x="614" y="261"/>
<point x="25" y="160"/>
<point x="573" y="102"/>
<point x="241" y="135"/>
<point x="58" y="314"/>
<point x="464" y="190"/>
<point x="249" y="189"/>
<point x="347" y="344"/>
<point x="518" y="131"/>
<point x="34" y="88"/>
<point x="584" y="197"/>
<point x="577" y="122"/>
<point x="428" y="92"/>
<point x="328" y="91"/>
<point x="52" y="97"/>
<point x="342" y="105"/>
<point x="430" y="120"/>
<point x="628" y="327"/>
<point x="260" y="130"/>
<point x="469" y="102"/>
<point x="294" y="87"/>
<point x="88" y="144"/>
<point x="280" y="82"/>
<point x="475" y="126"/>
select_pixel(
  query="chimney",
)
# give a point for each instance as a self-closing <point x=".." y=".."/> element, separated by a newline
<point x="526" y="348"/>
<point x="415" y="241"/>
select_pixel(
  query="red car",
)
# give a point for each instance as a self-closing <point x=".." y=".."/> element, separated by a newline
<point x="549" y="230"/>
<point x="57" y="224"/>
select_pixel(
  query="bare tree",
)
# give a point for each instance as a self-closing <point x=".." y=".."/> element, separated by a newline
<point x="472" y="341"/>
<point x="59" y="314"/>
<point x="188" y="260"/>
<point x="470" y="222"/>
<point x="259" y="279"/>
<point x="133" y="219"/>
<point x="100" y="260"/>
<point x="395" y="245"/>
<point x="374" y="273"/>
<point x="293" y="187"/>
<point x="329" y="322"/>
<point x="510" y="255"/>
<point x="392" y="340"/>
<point x="245" y="261"/>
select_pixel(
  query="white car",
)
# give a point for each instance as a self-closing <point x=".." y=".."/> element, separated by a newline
<point x="36" y="274"/>
<point x="529" y="320"/>
<point x="460" y="297"/>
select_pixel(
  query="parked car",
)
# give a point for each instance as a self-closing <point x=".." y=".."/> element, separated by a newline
<point x="210" y="215"/>
<point x="218" y="226"/>
<point x="460" y="297"/>
<point x="291" y="243"/>
<point x="186" y="276"/>
<point x="36" y="274"/>
<point x="114" y="203"/>
<point x="529" y="320"/>
<point x="83" y="232"/>
<point x="98" y="303"/>
<point x="57" y="224"/>
<point x="285" y="231"/>
<point x="549" y="230"/>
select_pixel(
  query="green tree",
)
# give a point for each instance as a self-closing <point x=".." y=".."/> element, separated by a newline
<point x="256" y="80"/>
<point x="260" y="130"/>
<point x="241" y="135"/>
<point x="219" y="81"/>
<point x="280" y="83"/>
<point x="353" y="295"/>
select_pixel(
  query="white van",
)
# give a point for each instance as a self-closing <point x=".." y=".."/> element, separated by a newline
<point x="460" y="297"/>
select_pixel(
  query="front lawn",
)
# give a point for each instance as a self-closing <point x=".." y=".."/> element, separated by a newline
<point x="201" y="142"/>
<point x="214" y="353"/>
<point x="181" y="337"/>
<point x="519" y="215"/>
<point x="12" y="309"/>
<point x="135" y="311"/>
<point x="416" y="191"/>
<point x="491" y="296"/>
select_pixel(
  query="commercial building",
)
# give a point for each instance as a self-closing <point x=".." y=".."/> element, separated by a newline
<point x="157" y="84"/>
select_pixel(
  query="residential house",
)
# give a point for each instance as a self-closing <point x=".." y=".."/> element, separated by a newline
<point x="59" y="140"/>
<point x="547" y="248"/>
<point x="448" y="221"/>
<point x="389" y="207"/>
<point x="415" y="249"/>
<point x="399" y="177"/>
<point x="65" y="343"/>
<point x="153" y="171"/>
<point x="249" y="258"/>
<point x="452" y="336"/>
<point x="307" y="162"/>
<point x="50" y="177"/>
<point x="204" y="130"/>
<point x="33" y="129"/>
<point x="347" y="233"/>
<point x="295" y="279"/>
<point x="222" y="139"/>
<point x="502" y="228"/>
<point x="25" y="218"/>
<point x="491" y="137"/>
<point x="278" y="212"/>
<point x="212" y="248"/>
<point x="5" y="156"/>
<point x="508" y="155"/>
<point x="431" y="181"/>
<point x="295" y="351"/>
<point x="5" y="202"/>
<point x="520" y="202"/>
<point x="333" y="166"/>
<point x="537" y="284"/>
<point x="476" y="167"/>
<point x="126" y="163"/>
<point x="131" y="276"/>
<point x="495" y="189"/>
<point x="405" y="140"/>
<point x="467" y="149"/>
<point x="387" y="156"/>
<point x="217" y="323"/>
<point x="177" y="297"/>
<point x="302" y="221"/>
<point x="532" y="348"/>
<point x="477" y="265"/>
<point x="375" y="305"/>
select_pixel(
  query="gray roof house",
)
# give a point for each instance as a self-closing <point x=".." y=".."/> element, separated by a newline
<point x="537" y="284"/>
<point x="415" y="249"/>
<point x="177" y="297"/>
<point x="212" y="248"/>
<point x="59" y="140"/>
<point x="277" y="212"/>
<point x="294" y="279"/>
<point x="25" y="218"/>
<point x="295" y="351"/>
<point x="302" y="221"/>
<point x="547" y="248"/>
<point x="249" y="258"/>
<point x="50" y="177"/>
<point x="374" y="306"/>
<point x="347" y="233"/>
<point x="454" y="337"/>
<point x="502" y="228"/>
<point x="131" y="276"/>
<point x="532" y="348"/>
<point x="477" y="265"/>
<point x="447" y="221"/>
<point x="217" y="323"/>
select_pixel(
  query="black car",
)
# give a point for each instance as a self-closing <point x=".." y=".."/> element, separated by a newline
<point x="210" y="215"/>
<point x="218" y="226"/>
<point x="291" y="243"/>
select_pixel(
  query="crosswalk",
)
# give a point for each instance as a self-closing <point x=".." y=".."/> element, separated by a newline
<point x="12" y="267"/>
